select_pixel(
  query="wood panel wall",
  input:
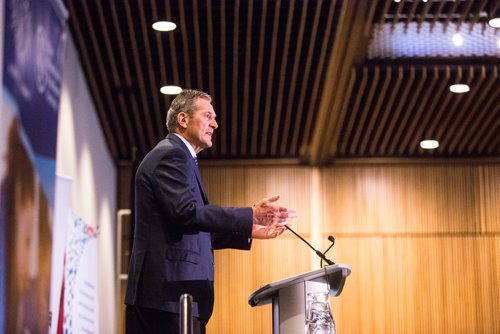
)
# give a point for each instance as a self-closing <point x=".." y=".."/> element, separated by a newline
<point x="423" y="243"/>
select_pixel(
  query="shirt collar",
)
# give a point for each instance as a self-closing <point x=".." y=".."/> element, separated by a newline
<point x="190" y="148"/>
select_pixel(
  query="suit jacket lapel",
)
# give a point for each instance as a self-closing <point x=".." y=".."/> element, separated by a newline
<point x="195" y="166"/>
<point x="200" y="185"/>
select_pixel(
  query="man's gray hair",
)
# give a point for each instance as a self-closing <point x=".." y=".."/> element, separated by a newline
<point x="184" y="102"/>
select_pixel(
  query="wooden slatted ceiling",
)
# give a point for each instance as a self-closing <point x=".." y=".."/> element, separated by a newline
<point x="419" y="105"/>
<point x="289" y="79"/>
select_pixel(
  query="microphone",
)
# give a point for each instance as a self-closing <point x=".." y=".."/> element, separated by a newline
<point x="332" y="240"/>
<point x="321" y="255"/>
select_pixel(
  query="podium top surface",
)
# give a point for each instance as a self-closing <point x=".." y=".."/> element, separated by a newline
<point x="335" y="275"/>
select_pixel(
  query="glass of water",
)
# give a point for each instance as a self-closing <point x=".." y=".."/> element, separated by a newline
<point x="319" y="318"/>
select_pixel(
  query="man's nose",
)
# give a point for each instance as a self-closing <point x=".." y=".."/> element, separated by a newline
<point x="214" y="124"/>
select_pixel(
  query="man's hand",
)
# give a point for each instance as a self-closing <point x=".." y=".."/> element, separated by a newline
<point x="266" y="232"/>
<point x="267" y="214"/>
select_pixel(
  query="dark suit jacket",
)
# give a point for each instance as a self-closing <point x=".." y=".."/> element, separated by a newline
<point x="176" y="231"/>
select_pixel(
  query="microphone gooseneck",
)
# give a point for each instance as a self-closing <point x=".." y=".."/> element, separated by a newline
<point x="321" y="255"/>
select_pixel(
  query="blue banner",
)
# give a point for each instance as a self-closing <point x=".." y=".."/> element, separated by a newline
<point x="35" y="35"/>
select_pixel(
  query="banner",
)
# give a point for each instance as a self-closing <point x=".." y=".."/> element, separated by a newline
<point x="35" y="36"/>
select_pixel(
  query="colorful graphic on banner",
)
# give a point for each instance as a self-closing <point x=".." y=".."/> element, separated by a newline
<point x="35" y="36"/>
<point x="79" y="306"/>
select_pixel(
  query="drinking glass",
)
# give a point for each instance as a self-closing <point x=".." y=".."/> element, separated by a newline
<point x="319" y="318"/>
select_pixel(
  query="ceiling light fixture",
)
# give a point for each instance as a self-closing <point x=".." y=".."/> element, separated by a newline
<point x="495" y="22"/>
<point x="164" y="26"/>
<point x="459" y="88"/>
<point x="170" y="90"/>
<point x="458" y="39"/>
<point x="429" y="144"/>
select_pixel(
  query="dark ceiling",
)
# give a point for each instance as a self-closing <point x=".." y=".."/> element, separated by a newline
<point x="291" y="79"/>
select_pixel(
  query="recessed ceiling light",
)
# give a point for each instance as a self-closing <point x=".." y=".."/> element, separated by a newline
<point x="495" y="23"/>
<point x="170" y="90"/>
<point x="429" y="144"/>
<point x="459" y="88"/>
<point x="458" y="39"/>
<point x="164" y="26"/>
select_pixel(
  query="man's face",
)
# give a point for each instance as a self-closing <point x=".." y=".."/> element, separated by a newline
<point x="201" y="126"/>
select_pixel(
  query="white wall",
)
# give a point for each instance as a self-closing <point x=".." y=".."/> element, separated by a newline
<point x="82" y="155"/>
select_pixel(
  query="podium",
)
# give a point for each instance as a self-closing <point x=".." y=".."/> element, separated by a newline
<point x="288" y="296"/>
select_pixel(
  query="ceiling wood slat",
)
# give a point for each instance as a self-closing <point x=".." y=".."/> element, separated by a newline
<point x="270" y="80"/>
<point x="442" y="110"/>
<point x="355" y="54"/>
<point x="107" y="43"/>
<point x="172" y="50"/>
<point x="276" y="133"/>
<point x="376" y="110"/>
<point x="322" y="66"/>
<point x="465" y="14"/>
<point x="475" y="18"/>
<point x="258" y="81"/>
<point x="360" y="91"/>
<point x="186" y="51"/>
<point x="484" y="118"/>
<point x="146" y="137"/>
<point x="246" y="79"/>
<point x="408" y="110"/>
<point x="430" y="111"/>
<point x="158" y="125"/>
<point x="214" y="150"/>
<point x="485" y="90"/>
<point x="397" y="15"/>
<point x="450" y="14"/>
<point x="379" y="135"/>
<point x="491" y="143"/>
<point x="197" y="47"/>
<point x="411" y="15"/>
<point x="120" y="41"/>
<point x="385" y="11"/>
<point x="399" y="110"/>
<point x="333" y="151"/>
<point x="456" y="113"/>
<point x="161" y="56"/>
<point x="424" y="13"/>
<point x="451" y="113"/>
<point x="103" y="77"/>
<point x="289" y="109"/>
<point x="223" y="119"/>
<point x="365" y="110"/>
<point x="297" y="128"/>
<point x="129" y="128"/>
<point x="199" y="64"/>
<point x="437" y="13"/>
<point x="315" y="139"/>
<point x="235" y="131"/>
<point x="410" y="133"/>
<point x="134" y="106"/>
<point x="210" y="41"/>
<point x="116" y="143"/>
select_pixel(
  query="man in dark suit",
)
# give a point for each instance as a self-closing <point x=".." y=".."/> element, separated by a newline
<point x="176" y="229"/>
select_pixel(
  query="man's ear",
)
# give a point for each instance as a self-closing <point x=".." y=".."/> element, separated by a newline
<point x="182" y="120"/>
